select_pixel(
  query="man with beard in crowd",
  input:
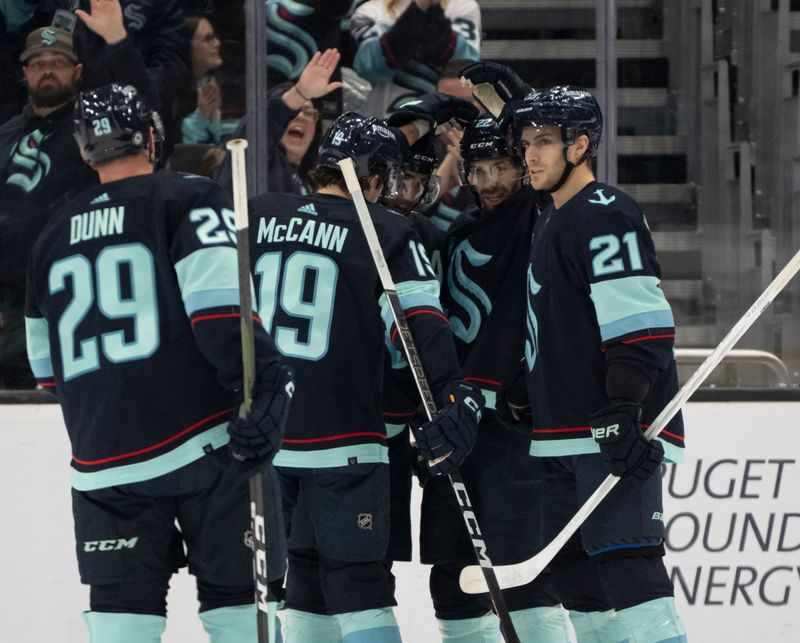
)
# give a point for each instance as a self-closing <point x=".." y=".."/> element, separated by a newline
<point x="42" y="167"/>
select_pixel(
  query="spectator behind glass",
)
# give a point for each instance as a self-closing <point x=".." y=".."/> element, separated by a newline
<point x="296" y="29"/>
<point x="200" y="101"/>
<point x="402" y="45"/>
<point x="155" y="28"/>
<point x="41" y="168"/>
<point x="292" y="120"/>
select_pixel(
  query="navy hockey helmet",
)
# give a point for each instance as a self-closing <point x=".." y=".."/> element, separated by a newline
<point x="573" y="110"/>
<point x="373" y="146"/>
<point x="423" y="160"/>
<point x="483" y="139"/>
<point x="112" y="121"/>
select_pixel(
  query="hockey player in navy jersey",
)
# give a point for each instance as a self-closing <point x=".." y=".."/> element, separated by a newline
<point x="486" y="274"/>
<point x="319" y="294"/>
<point x="133" y="318"/>
<point x="599" y="356"/>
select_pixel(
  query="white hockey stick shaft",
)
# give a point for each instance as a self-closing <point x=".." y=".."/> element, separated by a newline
<point x="415" y="363"/>
<point x="237" y="147"/>
<point x="471" y="579"/>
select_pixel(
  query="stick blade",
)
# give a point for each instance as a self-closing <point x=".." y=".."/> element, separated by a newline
<point x="473" y="581"/>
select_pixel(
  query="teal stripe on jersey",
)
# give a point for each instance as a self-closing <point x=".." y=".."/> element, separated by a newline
<point x="211" y="299"/>
<point x="336" y="457"/>
<point x="490" y="397"/>
<point x="629" y="304"/>
<point x="581" y="446"/>
<point x="411" y="295"/>
<point x="38" y="343"/>
<point x="394" y="429"/>
<point x="207" y="270"/>
<point x="180" y="456"/>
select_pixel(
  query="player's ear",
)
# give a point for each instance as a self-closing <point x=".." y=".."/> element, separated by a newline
<point x="579" y="147"/>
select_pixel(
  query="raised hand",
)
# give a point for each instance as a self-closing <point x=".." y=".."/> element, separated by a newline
<point x="105" y="19"/>
<point x="314" y="81"/>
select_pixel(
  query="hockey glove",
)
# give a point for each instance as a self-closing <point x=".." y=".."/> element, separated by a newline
<point x="436" y="109"/>
<point x="258" y="435"/>
<point x="439" y="43"/>
<point x="513" y="409"/>
<point x="618" y="431"/>
<point x="400" y="43"/>
<point x="505" y="88"/>
<point x="453" y="429"/>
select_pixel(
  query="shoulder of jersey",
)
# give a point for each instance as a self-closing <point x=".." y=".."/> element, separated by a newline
<point x="605" y="198"/>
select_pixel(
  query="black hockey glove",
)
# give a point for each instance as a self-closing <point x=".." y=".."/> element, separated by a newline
<point x="436" y="109"/>
<point x="508" y="85"/>
<point x="625" y="450"/>
<point x="401" y="42"/>
<point x="258" y="435"/>
<point x="439" y="43"/>
<point x="513" y="409"/>
<point x="453" y="429"/>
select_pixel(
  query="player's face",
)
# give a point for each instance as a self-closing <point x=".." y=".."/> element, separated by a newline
<point x="205" y="49"/>
<point x="52" y="79"/>
<point x="299" y="133"/>
<point x="544" y="155"/>
<point x="494" y="180"/>
<point x="411" y="190"/>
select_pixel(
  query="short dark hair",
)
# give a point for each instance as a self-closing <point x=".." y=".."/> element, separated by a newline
<point x="322" y="176"/>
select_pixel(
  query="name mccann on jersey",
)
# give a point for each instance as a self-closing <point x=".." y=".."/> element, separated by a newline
<point x="96" y="223"/>
<point x="315" y="233"/>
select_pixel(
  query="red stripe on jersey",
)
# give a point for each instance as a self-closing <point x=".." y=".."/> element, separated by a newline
<point x="222" y="316"/>
<point x="646" y="337"/>
<point x="344" y="436"/>
<point x="435" y="313"/>
<point x="154" y="446"/>
<point x="483" y="380"/>
<point x="399" y="414"/>
<point x="568" y="430"/>
<point x="46" y="384"/>
<point x="674" y="436"/>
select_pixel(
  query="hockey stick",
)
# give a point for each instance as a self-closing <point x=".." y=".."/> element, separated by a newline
<point x="524" y="572"/>
<point x="259" y="542"/>
<point x="410" y="349"/>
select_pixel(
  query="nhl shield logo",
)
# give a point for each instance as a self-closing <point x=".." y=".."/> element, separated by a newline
<point x="364" y="521"/>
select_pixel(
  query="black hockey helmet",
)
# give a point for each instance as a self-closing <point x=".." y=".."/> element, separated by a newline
<point x="483" y="139"/>
<point x="423" y="160"/>
<point x="112" y="121"/>
<point x="374" y="147"/>
<point x="573" y="110"/>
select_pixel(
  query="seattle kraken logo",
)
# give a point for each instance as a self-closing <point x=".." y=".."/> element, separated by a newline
<point x="48" y="37"/>
<point x="29" y="163"/>
<point x="462" y="286"/>
<point x="532" y="342"/>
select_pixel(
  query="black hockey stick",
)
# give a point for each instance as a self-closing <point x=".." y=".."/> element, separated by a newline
<point x="522" y="573"/>
<point x="258" y="539"/>
<point x="415" y="364"/>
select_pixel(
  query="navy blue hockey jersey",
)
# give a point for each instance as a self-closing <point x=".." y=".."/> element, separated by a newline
<point x="593" y="282"/>
<point x="133" y="316"/>
<point x="484" y="291"/>
<point x="319" y="295"/>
